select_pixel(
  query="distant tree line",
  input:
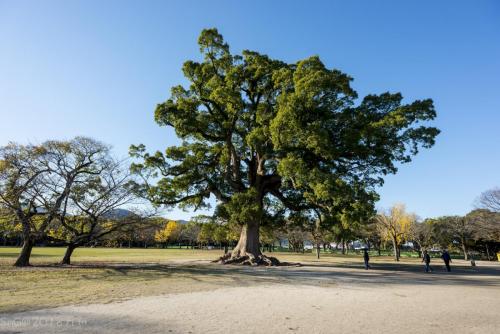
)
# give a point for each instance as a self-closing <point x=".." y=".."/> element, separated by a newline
<point x="477" y="234"/>
<point x="73" y="193"/>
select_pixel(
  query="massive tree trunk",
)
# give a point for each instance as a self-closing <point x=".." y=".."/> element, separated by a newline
<point x="67" y="255"/>
<point x="249" y="241"/>
<point x="247" y="251"/>
<point x="23" y="260"/>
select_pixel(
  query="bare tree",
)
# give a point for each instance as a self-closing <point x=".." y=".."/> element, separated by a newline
<point x="486" y="229"/>
<point x="461" y="230"/>
<point x="90" y="212"/>
<point x="35" y="181"/>
<point x="421" y="233"/>
<point x="20" y="169"/>
<point x="190" y="233"/>
<point x="490" y="199"/>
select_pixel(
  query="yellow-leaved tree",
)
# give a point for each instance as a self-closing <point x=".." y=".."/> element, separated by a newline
<point x="395" y="225"/>
<point x="170" y="233"/>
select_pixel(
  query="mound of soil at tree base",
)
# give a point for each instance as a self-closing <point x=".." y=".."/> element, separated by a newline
<point x="249" y="260"/>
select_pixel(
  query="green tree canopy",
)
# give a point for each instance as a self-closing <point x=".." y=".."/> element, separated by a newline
<point x="254" y="127"/>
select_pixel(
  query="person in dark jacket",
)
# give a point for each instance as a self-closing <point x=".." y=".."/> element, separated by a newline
<point x="426" y="258"/>
<point x="447" y="259"/>
<point x="366" y="257"/>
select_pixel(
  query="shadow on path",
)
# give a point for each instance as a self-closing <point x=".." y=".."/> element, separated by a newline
<point x="309" y="273"/>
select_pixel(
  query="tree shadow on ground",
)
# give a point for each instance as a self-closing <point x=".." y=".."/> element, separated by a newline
<point x="308" y="274"/>
<point x="75" y="321"/>
<point x="15" y="255"/>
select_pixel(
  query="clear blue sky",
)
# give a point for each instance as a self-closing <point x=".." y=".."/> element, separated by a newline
<point x="98" y="68"/>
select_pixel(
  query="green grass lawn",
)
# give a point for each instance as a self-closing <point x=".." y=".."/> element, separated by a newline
<point x="44" y="255"/>
<point x="52" y="255"/>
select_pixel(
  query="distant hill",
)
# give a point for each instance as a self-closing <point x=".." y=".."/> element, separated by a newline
<point x="123" y="213"/>
<point x="119" y="214"/>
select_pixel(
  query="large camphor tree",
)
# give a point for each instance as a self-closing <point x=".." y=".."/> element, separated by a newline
<point x="256" y="129"/>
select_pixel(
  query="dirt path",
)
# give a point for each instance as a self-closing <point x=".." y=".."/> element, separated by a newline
<point x="310" y="300"/>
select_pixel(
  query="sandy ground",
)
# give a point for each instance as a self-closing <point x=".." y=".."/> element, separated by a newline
<point x="309" y="299"/>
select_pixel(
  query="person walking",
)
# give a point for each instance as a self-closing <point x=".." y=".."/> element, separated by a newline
<point x="472" y="261"/>
<point x="366" y="257"/>
<point x="427" y="261"/>
<point x="447" y="259"/>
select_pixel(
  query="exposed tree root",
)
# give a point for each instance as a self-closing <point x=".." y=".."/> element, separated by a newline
<point x="249" y="260"/>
